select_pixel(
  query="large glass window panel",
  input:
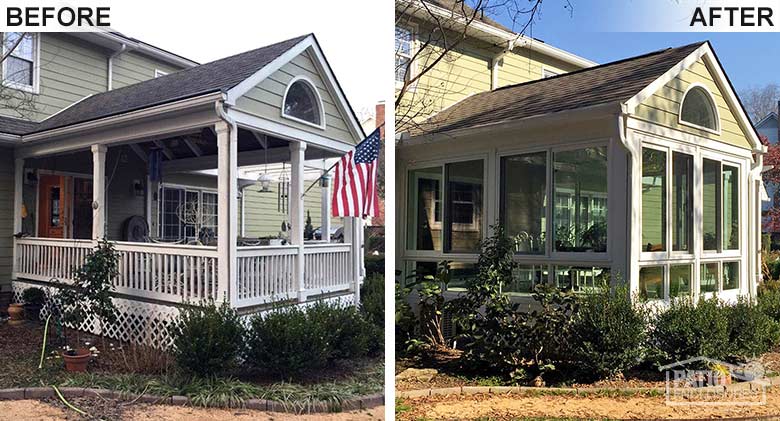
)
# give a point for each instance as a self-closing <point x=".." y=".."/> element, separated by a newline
<point x="425" y="209"/>
<point x="680" y="280"/>
<point x="580" y="200"/>
<point x="525" y="278"/>
<point x="581" y="278"/>
<point x="711" y="204"/>
<point x="730" y="275"/>
<point x="730" y="207"/>
<point x="682" y="202"/>
<point x="463" y="210"/>
<point x="709" y="277"/>
<point x="651" y="283"/>
<point x="653" y="200"/>
<point x="524" y="201"/>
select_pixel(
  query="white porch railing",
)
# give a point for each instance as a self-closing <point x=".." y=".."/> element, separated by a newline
<point x="177" y="273"/>
<point x="326" y="268"/>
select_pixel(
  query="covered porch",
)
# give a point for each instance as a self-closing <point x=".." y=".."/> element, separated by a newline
<point x="170" y="191"/>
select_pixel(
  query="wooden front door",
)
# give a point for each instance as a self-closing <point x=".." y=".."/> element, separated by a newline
<point x="52" y="210"/>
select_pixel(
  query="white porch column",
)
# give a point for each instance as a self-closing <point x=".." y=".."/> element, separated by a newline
<point x="297" y="222"/>
<point x="99" y="191"/>
<point x="227" y="218"/>
<point x="325" y="207"/>
<point x="352" y="228"/>
<point x="18" y="202"/>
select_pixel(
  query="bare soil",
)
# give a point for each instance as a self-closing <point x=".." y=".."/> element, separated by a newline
<point x="504" y="407"/>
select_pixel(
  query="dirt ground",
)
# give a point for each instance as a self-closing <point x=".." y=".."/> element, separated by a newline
<point x="43" y="411"/>
<point x="593" y="407"/>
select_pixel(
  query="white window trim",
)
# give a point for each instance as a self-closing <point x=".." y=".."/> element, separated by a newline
<point x="313" y="87"/>
<point x="36" y="86"/>
<point x="714" y="104"/>
<point x="545" y="69"/>
<point x="158" y="73"/>
<point x="412" y="28"/>
<point x="185" y="188"/>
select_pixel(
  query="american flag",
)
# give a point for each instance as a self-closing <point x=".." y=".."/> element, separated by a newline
<point x="354" y="187"/>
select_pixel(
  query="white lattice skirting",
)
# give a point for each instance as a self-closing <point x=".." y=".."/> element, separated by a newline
<point x="137" y="321"/>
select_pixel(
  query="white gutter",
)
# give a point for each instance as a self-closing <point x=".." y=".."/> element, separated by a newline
<point x="147" y="49"/>
<point x="115" y="54"/>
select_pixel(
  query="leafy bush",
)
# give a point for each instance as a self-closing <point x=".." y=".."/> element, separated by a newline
<point x="752" y="332"/>
<point x="349" y="335"/>
<point x="689" y="330"/>
<point x="375" y="265"/>
<point x="769" y="302"/>
<point x="372" y="300"/>
<point x="609" y="333"/>
<point x="207" y="339"/>
<point x="405" y="319"/>
<point x="34" y="296"/>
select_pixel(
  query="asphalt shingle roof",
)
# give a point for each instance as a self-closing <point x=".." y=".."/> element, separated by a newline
<point x="16" y="126"/>
<point x="219" y="75"/>
<point x="611" y="82"/>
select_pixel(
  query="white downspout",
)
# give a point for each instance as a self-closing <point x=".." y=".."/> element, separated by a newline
<point x="632" y="219"/>
<point x="228" y="181"/>
<point x="121" y="50"/>
<point x="756" y="170"/>
<point x="494" y="63"/>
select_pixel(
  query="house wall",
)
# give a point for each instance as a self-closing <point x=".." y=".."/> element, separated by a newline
<point x="664" y="106"/>
<point x="262" y="215"/>
<point x="132" y="67"/>
<point x="265" y="100"/>
<point x="6" y="216"/>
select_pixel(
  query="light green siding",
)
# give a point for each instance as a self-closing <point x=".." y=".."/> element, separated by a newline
<point x="263" y="217"/>
<point x="265" y="100"/>
<point x="132" y="68"/>
<point x="6" y="215"/>
<point x="70" y="69"/>
<point x="663" y="107"/>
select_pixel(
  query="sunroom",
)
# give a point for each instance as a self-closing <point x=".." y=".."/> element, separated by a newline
<point x="161" y="168"/>
<point x="644" y="171"/>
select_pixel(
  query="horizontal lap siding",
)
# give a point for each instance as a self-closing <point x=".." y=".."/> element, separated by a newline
<point x="663" y="107"/>
<point x="132" y="68"/>
<point x="523" y="65"/>
<point x="6" y="215"/>
<point x="265" y="99"/>
<point x="261" y="210"/>
<point x="70" y="69"/>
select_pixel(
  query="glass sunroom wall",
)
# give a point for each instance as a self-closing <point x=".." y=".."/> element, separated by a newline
<point x="524" y="204"/>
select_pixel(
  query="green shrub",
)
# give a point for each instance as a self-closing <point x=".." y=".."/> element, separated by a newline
<point x="34" y="296"/>
<point x="372" y="300"/>
<point x="349" y="335"/>
<point x="375" y="265"/>
<point x="769" y="302"/>
<point x="687" y="330"/>
<point x="207" y="339"/>
<point x="285" y="342"/>
<point x="608" y="333"/>
<point x="752" y="332"/>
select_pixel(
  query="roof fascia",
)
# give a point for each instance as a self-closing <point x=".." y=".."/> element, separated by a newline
<point x="705" y="53"/>
<point x="490" y="33"/>
<point x="324" y="69"/>
<point x="766" y="118"/>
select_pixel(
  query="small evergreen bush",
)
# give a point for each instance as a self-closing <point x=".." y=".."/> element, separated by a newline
<point x="769" y="301"/>
<point x="349" y="334"/>
<point x="285" y="342"/>
<point x="752" y="331"/>
<point x="688" y="330"/>
<point x="375" y="265"/>
<point x="207" y="339"/>
<point x="34" y="296"/>
<point x="372" y="300"/>
<point x="609" y="333"/>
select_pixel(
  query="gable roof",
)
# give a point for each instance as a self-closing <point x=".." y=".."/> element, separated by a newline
<point x="607" y="83"/>
<point x="770" y="116"/>
<point x="216" y="76"/>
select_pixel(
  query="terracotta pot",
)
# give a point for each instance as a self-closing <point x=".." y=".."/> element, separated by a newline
<point x="16" y="313"/>
<point x="77" y="363"/>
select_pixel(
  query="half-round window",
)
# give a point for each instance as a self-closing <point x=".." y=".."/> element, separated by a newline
<point x="698" y="109"/>
<point x="302" y="102"/>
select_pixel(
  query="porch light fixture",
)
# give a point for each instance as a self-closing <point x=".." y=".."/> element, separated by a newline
<point x="265" y="183"/>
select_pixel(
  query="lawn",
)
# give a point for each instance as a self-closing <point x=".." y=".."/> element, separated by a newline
<point x="136" y="370"/>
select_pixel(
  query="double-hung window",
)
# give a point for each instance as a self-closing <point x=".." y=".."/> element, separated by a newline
<point x="404" y="44"/>
<point x="185" y="213"/>
<point x="21" y="66"/>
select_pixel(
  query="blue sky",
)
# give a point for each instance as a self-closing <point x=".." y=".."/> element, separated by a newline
<point x="750" y="59"/>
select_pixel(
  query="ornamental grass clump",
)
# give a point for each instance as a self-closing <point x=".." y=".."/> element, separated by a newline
<point x="207" y="339"/>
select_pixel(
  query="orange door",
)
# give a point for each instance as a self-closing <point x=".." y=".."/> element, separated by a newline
<point x="53" y="206"/>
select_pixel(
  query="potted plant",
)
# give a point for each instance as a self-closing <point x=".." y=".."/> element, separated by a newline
<point x="90" y="293"/>
<point x="33" y="298"/>
<point x="16" y="313"/>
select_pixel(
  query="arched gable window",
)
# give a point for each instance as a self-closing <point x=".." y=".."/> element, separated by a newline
<point x="302" y="102"/>
<point x="698" y="109"/>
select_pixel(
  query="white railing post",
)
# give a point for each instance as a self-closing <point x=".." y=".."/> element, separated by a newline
<point x="98" y="191"/>
<point x="18" y="203"/>
<point x="297" y="158"/>
<point x="227" y="224"/>
<point x="325" y="208"/>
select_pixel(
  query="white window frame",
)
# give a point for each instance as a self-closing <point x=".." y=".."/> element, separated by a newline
<point x="185" y="189"/>
<point x="697" y="85"/>
<point x="547" y="72"/>
<point x="36" y="77"/>
<point x="412" y="51"/>
<point x="313" y="87"/>
<point x="158" y="73"/>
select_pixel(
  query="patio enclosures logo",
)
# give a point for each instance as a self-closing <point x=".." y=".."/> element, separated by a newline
<point x="703" y="381"/>
<point x="53" y="16"/>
